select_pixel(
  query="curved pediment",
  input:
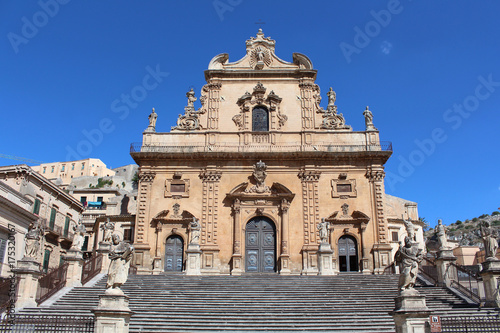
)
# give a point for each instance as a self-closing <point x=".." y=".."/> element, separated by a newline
<point x="239" y="188"/>
<point x="260" y="56"/>
<point x="355" y="216"/>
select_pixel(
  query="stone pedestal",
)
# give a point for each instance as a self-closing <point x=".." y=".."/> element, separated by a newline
<point x="28" y="271"/>
<point x="193" y="263"/>
<point x="112" y="314"/>
<point x="285" y="265"/>
<point x="325" y="262"/>
<point x="444" y="274"/>
<point x="157" y="266"/>
<point x="237" y="266"/>
<point x="104" y="249"/>
<point x="74" y="258"/>
<point x="411" y="314"/>
<point x="491" y="276"/>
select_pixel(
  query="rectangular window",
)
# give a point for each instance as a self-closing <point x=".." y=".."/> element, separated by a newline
<point x="66" y="227"/>
<point x="73" y="166"/>
<point x="83" y="166"/>
<point x="83" y="199"/>
<point x="62" y="168"/>
<point x="177" y="188"/>
<point x="127" y="235"/>
<point x="100" y="199"/>
<point x="52" y="220"/>
<point x="46" y="259"/>
<point x="36" y="206"/>
<point x="44" y="169"/>
<point x="3" y="245"/>
<point x="85" y="244"/>
<point x="395" y="236"/>
<point x="344" y="188"/>
<point x="52" y="169"/>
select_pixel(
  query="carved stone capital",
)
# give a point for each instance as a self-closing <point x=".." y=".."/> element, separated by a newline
<point x="309" y="176"/>
<point x="210" y="176"/>
<point x="147" y="176"/>
<point x="375" y="175"/>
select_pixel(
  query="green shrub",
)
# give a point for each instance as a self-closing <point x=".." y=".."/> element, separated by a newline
<point x="495" y="223"/>
<point x="474" y="219"/>
<point x="458" y="222"/>
<point x="469" y="227"/>
<point x="483" y="216"/>
<point x="495" y="213"/>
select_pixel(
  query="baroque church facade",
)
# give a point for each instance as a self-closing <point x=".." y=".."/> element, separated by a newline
<point x="260" y="164"/>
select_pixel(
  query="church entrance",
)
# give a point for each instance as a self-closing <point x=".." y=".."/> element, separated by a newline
<point x="174" y="250"/>
<point x="260" y="245"/>
<point x="348" y="254"/>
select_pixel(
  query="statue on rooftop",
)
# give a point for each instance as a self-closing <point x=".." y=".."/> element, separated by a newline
<point x="120" y="255"/>
<point x="408" y="257"/>
<point x="152" y="121"/>
<point x="369" y="120"/>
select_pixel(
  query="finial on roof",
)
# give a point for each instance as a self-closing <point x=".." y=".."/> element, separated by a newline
<point x="260" y="32"/>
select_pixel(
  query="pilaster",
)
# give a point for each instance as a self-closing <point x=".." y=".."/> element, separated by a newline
<point x="209" y="220"/>
<point x="141" y="245"/>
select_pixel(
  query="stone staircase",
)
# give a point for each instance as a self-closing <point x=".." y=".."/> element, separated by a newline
<point x="179" y="303"/>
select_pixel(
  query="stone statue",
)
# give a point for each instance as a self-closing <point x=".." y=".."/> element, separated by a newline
<point x="152" y="121"/>
<point x="408" y="257"/>
<point x="331" y="98"/>
<point x="79" y="236"/>
<point x="490" y="243"/>
<point x="195" y="229"/>
<point x="369" y="120"/>
<point x="410" y="230"/>
<point x="108" y="228"/>
<point x="441" y="236"/>
<point x="191" y="99"/>
<point x="324" y="229"/>
<point x="33" y="238"/>
<point x="120" y="256"/>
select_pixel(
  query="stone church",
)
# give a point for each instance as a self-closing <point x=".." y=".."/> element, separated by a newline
<point x="260" y="164"/>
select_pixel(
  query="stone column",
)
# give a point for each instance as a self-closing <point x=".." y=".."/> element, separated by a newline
<point x="411" y="314"/>
<point x="491" y="280"/>
<point x="104" y="249"/>
<point x="237" y="267"/>
<point x="284" y="257"/>
<point x="365" y="267"/>
<point x="75" y="261"/>
<point x="112" y="314"/>
<point x="193" y="264"/>
<point x="325" y="262"/>
<point x="28" y="271"/>
<point x="444" y="259"/>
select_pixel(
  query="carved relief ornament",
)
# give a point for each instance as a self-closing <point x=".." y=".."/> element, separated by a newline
<point x="190" y="119"/>
<point x="331" y="119"/>
<point x="258" y="97"/>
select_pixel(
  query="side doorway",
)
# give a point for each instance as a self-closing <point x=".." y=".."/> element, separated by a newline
<point x="174" y="252"/>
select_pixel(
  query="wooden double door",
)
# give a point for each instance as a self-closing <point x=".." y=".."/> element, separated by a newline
<point x="260" y="245"/>
<point x="174" y="251"/>
<point x="348" y="254"/>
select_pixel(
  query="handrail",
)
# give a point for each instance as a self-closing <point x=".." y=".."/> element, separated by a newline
<point x="51" y="283"/>
<point x="429" y="271"/>
<point x="466" y="291"/>
<point x="91" y="268"/>
<point x="278" y="147"/>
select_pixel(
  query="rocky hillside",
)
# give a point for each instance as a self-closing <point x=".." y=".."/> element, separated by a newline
<point x="467" y="232"/>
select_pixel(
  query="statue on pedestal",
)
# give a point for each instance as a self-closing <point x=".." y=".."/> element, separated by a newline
<point x="152" y="121"/>
<point x="490" y="243"/>
<point x="120" y="255"/>
<point x="441" y="236"/>
<point x="195" y="229"/>
<point x="79" y="236"/>
<point x="324" y="229"/>
<point x="369" y="120"/>
<point x="108" y="227"/>
<point x="408" y="257"/>
<point x="33" y="238"/>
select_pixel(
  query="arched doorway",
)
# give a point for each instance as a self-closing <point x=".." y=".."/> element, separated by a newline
<point x="260" y="245"/>
<point x="174" y="250"/>
<point x="348" y="254"/>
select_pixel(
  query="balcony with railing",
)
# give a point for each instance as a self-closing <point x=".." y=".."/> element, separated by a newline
<point x="260" y="145"/>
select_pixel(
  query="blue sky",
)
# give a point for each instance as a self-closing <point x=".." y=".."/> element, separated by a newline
<point x="429" y="70"/>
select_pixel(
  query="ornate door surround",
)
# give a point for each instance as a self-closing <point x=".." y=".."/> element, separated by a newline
<point x="247" y="203"/>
